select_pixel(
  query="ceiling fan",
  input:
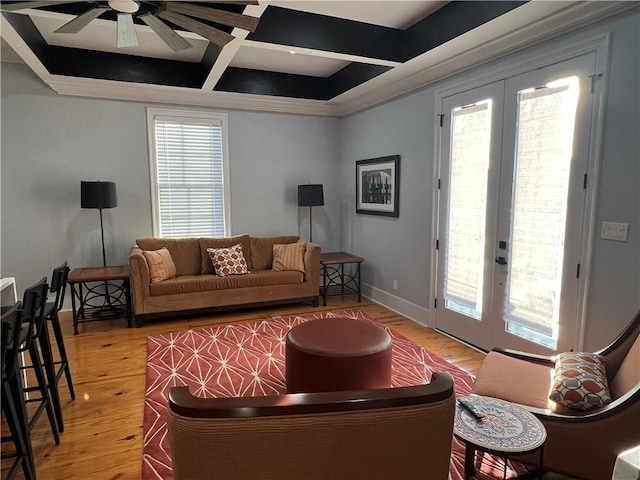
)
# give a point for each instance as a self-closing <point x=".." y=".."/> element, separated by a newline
<point x="158" y="15"/>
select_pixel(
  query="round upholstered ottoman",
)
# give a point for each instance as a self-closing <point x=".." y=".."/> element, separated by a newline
<point x="333" y="354"/>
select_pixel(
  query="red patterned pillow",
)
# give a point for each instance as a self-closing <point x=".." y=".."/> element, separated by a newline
<point x="228" y="261"/>
<point x="580" y="381"/>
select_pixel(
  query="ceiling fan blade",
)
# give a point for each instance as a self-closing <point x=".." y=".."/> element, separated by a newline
<point x="81" y="21"/>
<point x="13" y="7"/>
<point x="165" y="32"/>
<point x="126" y="31"/>
<point x="212" y="34"/>
<point x="213" y="14"/>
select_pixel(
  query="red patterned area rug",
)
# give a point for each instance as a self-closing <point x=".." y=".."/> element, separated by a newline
<point x="248" y="360"/>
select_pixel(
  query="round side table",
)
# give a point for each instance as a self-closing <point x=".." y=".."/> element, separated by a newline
<point x="506" y="430"/>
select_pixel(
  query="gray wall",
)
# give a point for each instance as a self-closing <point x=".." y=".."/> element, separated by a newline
<point x="50" y="143"/>
<point x="398" y="248"/>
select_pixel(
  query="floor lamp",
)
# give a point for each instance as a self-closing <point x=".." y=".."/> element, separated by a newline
<point x="99" y="195"/>
<point x="310" y="196"/>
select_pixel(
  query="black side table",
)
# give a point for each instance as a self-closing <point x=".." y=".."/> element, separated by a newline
<point x="102" y="300"/>
<point x="333" y="277"/>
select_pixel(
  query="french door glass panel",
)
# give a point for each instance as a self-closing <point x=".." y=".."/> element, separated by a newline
<point x="469" y="191"/>
<point x="544" y="145"/>
<point x="513" y="155"/>
<point x="465" y="262"/>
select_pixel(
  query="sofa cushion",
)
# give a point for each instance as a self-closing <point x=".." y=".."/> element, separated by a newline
<point x="262" y="250"/>
<point x="161" y="266"/>
<point x="185" y="252"/>
<point x="580" y="381"/>
<point x="206" y="267"/>
<point x="228" y="261"/>
<point x="288" y="256"/>
<point x="499" y="373"/>
<point x="205" y="283"/>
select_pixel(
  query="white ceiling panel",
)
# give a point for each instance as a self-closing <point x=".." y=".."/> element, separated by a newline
<point x="286" y="62"/>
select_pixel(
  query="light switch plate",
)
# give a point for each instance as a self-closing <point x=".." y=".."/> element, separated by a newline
<point x="615" y="231"/>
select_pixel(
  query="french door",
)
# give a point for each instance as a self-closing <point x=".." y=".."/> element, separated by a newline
<point x="513" y="161"/>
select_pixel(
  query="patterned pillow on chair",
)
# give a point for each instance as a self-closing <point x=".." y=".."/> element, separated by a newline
<point x="580" y="381"/>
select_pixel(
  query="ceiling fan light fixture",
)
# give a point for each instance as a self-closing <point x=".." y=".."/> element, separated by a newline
<point x="124" y="6"/>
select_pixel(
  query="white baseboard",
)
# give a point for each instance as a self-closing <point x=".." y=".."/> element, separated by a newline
<point x="407" y="309"/>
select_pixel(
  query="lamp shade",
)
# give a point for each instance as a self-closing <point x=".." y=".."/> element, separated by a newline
<point x="98" y="195"/>
<point x="310" y="195"/>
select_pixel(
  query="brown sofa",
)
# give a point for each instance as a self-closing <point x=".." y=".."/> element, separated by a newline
<point x="196" y="287"/>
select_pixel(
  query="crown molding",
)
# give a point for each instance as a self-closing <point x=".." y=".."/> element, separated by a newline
<point x="107" y="89"/>
<point x="552" y="19"/>
<point x="528" y="25"/>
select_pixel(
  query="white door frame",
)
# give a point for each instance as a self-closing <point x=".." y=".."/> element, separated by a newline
<point x="600" y="45"/>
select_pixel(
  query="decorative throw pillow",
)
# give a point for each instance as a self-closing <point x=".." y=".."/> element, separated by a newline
<point x="161" y="266"/>
<point x="580" y="381"/>
<point x="228" y="261"/>
<point x="288" y="257"/>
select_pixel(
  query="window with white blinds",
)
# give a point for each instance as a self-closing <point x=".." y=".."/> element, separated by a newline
<point x="470" y="156"/>
<point x="189" y="173"/>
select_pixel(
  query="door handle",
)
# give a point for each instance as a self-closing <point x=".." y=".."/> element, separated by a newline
<point x="501" y="260"/>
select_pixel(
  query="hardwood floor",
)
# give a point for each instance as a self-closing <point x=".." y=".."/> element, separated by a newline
<point x="103" y="425"/>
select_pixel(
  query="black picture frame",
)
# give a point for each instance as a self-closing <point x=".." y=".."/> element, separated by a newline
<point x="378" y="186"/>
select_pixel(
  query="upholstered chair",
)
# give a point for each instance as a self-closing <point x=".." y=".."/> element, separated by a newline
<point x="580" y="443"/>
<point x="388" y="433"/>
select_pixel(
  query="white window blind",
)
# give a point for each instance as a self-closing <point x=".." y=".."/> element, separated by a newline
<point x="189" y="175"/>
<point x="546" y="120"/>
<point x="470" y="148"/>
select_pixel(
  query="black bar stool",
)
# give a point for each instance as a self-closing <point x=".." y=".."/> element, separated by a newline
<point x="34" y="338"/>
<point x="13" y="405"/>
<point x="61" y="367"/>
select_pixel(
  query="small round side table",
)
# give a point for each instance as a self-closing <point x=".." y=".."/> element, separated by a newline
<point x="506" y="430"/>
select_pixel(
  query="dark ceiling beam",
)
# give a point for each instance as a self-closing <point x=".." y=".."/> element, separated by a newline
<point x="259" y="82"/>
<point x="451" y="21"/>
<point x="351" y="76"/>
<point x="75" y="62"/>
<point x="24" y="26"/>
<point x="320" y="32"/>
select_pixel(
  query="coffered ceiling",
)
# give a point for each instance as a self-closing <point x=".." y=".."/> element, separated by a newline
<point x="331" y="57"/>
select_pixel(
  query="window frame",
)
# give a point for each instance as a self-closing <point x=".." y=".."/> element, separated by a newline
<point x="192" y="115"/>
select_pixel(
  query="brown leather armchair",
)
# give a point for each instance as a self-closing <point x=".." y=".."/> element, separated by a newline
<point x="387" y="433"/>
<point x="581" y="444"/>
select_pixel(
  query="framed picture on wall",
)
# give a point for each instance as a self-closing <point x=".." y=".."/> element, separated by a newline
<point x="378" y="186"/>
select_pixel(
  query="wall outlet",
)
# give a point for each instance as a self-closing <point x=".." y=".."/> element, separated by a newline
<point x="615" y="231"/>
<point x="395" y="284"/>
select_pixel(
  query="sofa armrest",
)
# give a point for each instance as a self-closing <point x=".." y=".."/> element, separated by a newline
<point x="312" y="264"/>
<point x="140" y="278"/>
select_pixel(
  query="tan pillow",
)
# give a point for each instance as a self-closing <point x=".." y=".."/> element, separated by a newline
<point x="161" y="266"/>
<point x="262" y="250"/>
<point x="288" y="257"/>
<point x="217" y="243"/>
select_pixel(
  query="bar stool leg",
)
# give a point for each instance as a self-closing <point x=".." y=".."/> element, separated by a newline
<point x="64" y="363"/>
<point x="49" y="368"/>
<point x="36" y="362"/>
<point x="13" y="408"/>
